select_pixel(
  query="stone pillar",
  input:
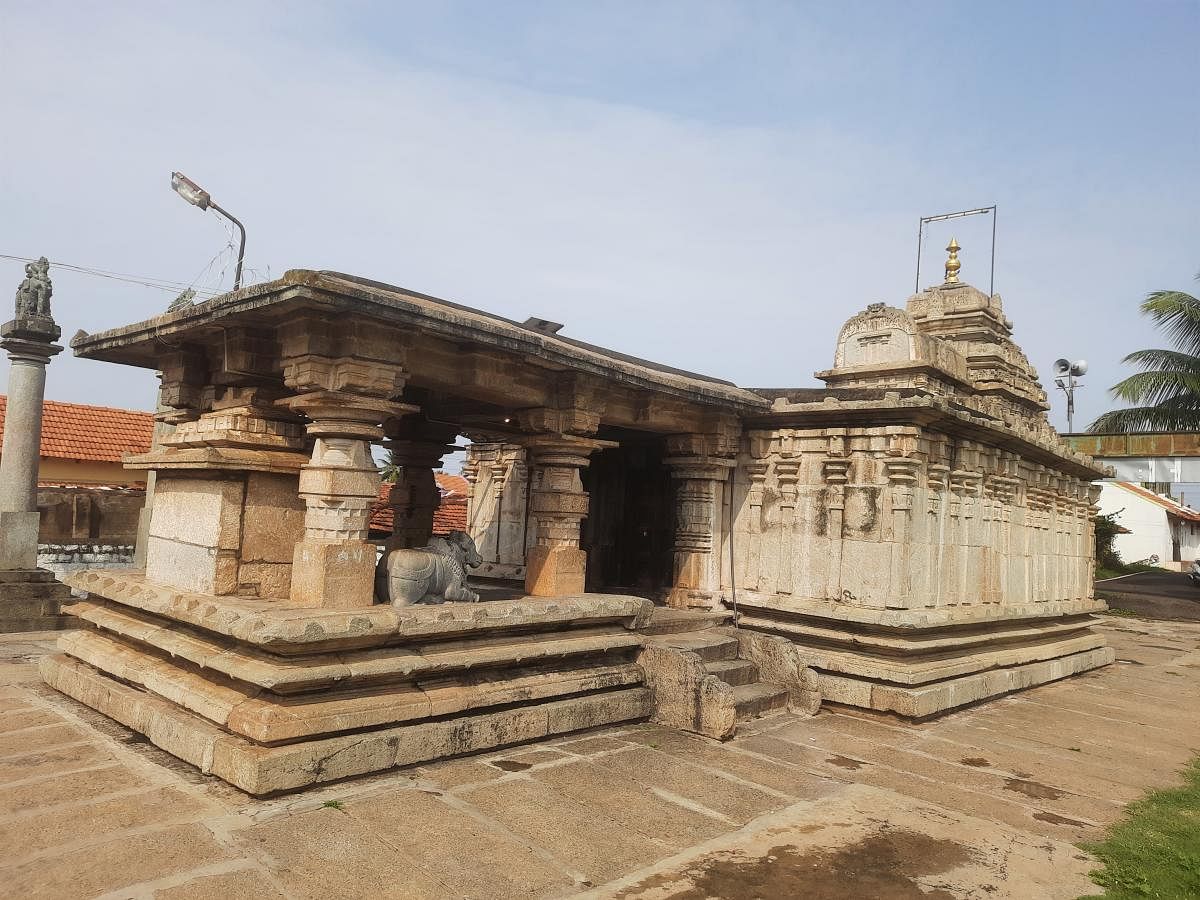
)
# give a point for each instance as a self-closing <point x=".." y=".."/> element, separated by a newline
<point x="334" y="564"/>
<point x="698" y="494"/>
<point x="416" y="447"/>
<point x="345" y="375"/>
<point x="29" y="339"/>
<point x="700" y="464"/>
<point x="556" y="565"/>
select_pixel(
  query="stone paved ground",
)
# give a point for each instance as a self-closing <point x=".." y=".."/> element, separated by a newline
<point x="988" y="802"/>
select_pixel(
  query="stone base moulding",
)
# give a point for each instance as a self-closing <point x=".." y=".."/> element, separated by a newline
<point x="31" y="600"/>
<point x="272" y="698"/>
<point x="932" y="666"/>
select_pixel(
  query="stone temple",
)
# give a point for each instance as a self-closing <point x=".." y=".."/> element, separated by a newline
<point x="912" y="537"/>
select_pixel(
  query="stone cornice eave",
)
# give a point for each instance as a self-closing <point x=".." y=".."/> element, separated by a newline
<point x="925" y="411"/>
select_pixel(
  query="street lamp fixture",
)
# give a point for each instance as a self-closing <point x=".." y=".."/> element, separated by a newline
<point x="197" y="196"/>
<point x="1065" y="373"/>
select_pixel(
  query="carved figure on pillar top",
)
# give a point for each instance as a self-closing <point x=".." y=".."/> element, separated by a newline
<point x="33" y="296"/>
<point x="33" y="327"/>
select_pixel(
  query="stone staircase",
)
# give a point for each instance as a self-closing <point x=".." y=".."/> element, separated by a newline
<point x="702" y="679"/>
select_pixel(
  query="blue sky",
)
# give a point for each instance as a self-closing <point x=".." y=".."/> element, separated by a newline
<point x="714" y="185"/>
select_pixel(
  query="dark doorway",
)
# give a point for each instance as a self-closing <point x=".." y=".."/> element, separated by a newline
<point x="629" y="529"/>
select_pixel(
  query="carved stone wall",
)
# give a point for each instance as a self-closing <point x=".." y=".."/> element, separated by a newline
<point x="898" y="517"/>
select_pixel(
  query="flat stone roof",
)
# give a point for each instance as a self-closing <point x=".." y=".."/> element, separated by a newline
<point x="140" y="343"/>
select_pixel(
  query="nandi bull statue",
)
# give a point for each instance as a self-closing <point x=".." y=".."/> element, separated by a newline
<point x="433" y="574"/>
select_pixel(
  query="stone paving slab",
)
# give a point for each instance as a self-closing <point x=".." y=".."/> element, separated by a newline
<point x="985" y="802"/>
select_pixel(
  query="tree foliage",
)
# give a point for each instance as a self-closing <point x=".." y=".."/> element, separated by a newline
<point x="1107" y="530"/>
<point x="1165" y="394"/>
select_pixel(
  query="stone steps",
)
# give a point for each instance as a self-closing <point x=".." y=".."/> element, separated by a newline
<point x="734" y="672"/>
<point x="678" y="621"/>
<point x="724" y="687"/>
<point x="710" y="646"/>
<point x="758" y="699"/>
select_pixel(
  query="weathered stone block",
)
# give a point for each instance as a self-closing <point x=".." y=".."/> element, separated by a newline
<point x="273" y="519"/>
<point x="189" y="567"/>
<point x="336" y="576"/>
<point x="555" y="571"/>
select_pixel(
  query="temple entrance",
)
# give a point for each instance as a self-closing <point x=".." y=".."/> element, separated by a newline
<point x="628" y="533"/>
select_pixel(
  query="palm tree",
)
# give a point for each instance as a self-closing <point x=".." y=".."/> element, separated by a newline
<point x="1166" y="393"/>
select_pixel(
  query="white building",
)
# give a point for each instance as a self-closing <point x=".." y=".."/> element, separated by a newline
<point x="1158" y="525"/>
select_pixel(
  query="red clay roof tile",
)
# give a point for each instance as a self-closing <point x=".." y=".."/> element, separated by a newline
<point x="451" y="514"/>
<point x="94" y="433"/>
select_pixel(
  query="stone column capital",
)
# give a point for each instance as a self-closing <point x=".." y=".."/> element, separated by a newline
<point x="21" y="349"/>
<point x="345" y="414"/>
<point x="562" y="422"/>
<point x="562" y="450"/>
<point x="699" y="468"/>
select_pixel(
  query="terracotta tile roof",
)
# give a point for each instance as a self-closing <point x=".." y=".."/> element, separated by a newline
<point x="1172" y="507"/>
<point x="451" y="514"/>
<point x="451" y="484"/>
<point x="93" y="433"/>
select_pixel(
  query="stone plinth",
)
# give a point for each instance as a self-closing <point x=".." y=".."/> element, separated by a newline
<point x="921" y="664"/>
<point x="272" y="698"/>
<point x="31" y="600"/>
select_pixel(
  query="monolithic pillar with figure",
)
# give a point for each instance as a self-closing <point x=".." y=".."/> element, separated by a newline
<point x="29" y="339"/>
<point x="29" y="597"/>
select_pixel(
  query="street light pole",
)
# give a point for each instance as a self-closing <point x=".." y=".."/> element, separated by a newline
<point x="197" y="196"/>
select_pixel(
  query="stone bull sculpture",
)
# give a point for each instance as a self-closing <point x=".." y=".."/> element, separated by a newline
<point x="433" y="574"/>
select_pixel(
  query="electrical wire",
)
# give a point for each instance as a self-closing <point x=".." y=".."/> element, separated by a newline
<point x="162" y="284"/>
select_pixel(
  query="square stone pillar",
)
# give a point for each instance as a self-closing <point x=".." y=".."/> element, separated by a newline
<point x="556" y="565"/>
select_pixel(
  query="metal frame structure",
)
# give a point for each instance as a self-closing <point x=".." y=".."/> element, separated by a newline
<point x="983" y="210"/>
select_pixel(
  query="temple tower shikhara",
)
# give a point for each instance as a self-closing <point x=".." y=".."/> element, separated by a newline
<point x="910" y="537"/>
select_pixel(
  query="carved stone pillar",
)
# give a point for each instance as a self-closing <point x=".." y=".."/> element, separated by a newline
<point x="556" y="565"/>
<point x="334" y="564"/>
<point x="416" y="449"/>
<point x="345" y="376"/>
<point x="29" y="340"/>
<point x="698" y="494"/>
<point x="700" y="464"/>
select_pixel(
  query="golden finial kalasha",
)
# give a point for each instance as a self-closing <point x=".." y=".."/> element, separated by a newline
<point x="952" y="264"/>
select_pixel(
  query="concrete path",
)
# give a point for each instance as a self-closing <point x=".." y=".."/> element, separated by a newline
<point x="988" y="802"/>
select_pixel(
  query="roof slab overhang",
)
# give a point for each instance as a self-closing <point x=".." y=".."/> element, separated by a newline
<point x="448" y="350"/>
